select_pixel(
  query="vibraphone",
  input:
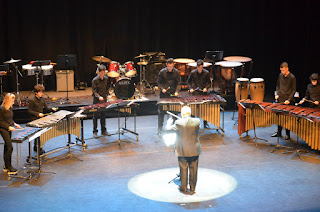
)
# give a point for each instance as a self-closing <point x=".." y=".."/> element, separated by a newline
<point x="305" y="122"/>
<point x="206" y="107"/>
<point x="60" y="125"/>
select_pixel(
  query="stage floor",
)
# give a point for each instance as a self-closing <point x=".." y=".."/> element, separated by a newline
<point x="234" y="174"/>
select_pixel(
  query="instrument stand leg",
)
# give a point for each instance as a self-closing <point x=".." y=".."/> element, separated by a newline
<point x="254" y="129"/>
<point x="297" y="149"/>
<point x="278" y="146"/>
<point x="39" y="161"/>
<point x="69" y="154"/>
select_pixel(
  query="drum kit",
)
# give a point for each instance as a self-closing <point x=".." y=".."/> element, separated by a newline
<point x="123" y="85"/>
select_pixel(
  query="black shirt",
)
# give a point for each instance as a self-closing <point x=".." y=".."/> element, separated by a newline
<point x="286" y="87"/>
<point x="199" y="80"/>
<point x="6" y="118"/>
<point x="99" y="88"/>
<point x="36" y="106"/>
<point x="169" y="80"/>
<point x="313" y="92"/>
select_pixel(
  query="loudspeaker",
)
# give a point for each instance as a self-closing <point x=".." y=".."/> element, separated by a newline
<point x="64" y="77"/>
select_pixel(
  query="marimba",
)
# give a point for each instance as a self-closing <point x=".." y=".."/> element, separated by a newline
<point x="206" y="107"/>
<point x="104" y="106"/>
<point x="305" y="122"/>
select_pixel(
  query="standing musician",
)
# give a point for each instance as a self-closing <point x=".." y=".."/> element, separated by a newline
<point x="169" y="80"/>
<point x="187" y="148"/>
<point x="313" y="92"/>
<point x="199" y="82"/>
<point x="6" y="127"/>
<point x="35" y="109"/>
<point x="169" y="83"/>
<point x="285" y="90"/>
<point x="100" y="88"/>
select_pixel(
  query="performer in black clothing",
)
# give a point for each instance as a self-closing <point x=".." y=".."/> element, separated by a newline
<point x="35" y="109"/>
<point x="187" y="148"/>
<point x="313" y="92"/>
<point x="100" y="88"/>
<point x="199" y="82"/>
<point x="6" y="127"/>
<point x="169" y="81"/>
<point x="285" y="90"/>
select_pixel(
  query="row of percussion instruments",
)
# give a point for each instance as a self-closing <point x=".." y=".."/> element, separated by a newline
<point x="304" y="122"/>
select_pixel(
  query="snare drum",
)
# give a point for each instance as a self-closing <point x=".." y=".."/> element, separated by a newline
<point x="130" y="70"/>
<point x="113" y="70"/>
<point x="47" y="70"/>
<point x="257" y="89"/>
<point x="242" y="89"/>
<point x="124" y="88"/>
<point x="30" y="69"/>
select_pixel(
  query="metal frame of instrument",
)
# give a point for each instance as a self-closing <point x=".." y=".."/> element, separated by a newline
<point x="36" y="132"/>
<point x="121" y="106"/>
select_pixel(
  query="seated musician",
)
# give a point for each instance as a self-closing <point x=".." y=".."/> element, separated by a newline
<point x="6" y="127"/>
<point x="313" y="92"/>
<point x="169" y="84"/>
<point x="285" y="90"/>
<point x="99" y="92"/>
<point x="199" y="82"/>
<point x="36" y="107"/>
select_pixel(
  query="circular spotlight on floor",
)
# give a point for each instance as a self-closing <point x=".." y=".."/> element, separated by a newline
<point x="155" y="185"/>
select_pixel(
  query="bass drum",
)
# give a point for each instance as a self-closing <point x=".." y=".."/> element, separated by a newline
<point x="124" y="88"/>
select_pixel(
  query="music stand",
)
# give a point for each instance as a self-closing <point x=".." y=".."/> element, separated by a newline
<point x="67" y="62"/>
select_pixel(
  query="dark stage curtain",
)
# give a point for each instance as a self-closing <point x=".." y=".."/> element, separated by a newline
<point x="269" y="32"/>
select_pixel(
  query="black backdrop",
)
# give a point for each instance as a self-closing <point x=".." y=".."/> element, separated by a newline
<point x="267" y="31"/>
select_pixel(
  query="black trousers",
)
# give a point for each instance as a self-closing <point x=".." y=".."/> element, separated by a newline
<point x="102" y="121"/>
<point x="188" y="164"/>
<point x="280" y="129"/>
<point x="7" y="150"/>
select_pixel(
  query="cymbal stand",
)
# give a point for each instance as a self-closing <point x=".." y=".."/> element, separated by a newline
<point x="278" y="137"/>
<point x="19" y="96"/>
<point x="297" y="150"/>
<point x="254" y="128"/>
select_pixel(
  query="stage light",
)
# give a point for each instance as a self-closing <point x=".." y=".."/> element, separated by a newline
<point x="169" y="138"/>
<point x="155" y="185"/>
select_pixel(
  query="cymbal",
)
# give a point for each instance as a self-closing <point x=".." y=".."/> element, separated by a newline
<point x="101" y="59"/>
<point x="142" y="63"/>
<point x="12" y="61"/>
<point x="141" y="55"/>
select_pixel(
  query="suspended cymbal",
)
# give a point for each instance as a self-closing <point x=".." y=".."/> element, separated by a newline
<point x="142" y="63"/>
<point x="141" y="55"/>
<point x="102" y="59"/>
<point x="12" y="61"/>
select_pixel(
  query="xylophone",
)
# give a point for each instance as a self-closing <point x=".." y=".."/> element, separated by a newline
<point x="206" y="107"/>
<point x="305" y="122"/>
<point x="116" y="104"/>
<point x="59" y="123"/>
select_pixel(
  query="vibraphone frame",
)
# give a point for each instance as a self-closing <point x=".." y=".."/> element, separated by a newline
<point x="122" y="107"/>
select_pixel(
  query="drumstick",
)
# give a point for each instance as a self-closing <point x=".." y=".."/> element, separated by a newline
<point x="172" y="114"/>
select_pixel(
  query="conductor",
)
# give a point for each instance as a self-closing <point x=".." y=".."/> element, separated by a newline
<point x="187" y="148"/>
